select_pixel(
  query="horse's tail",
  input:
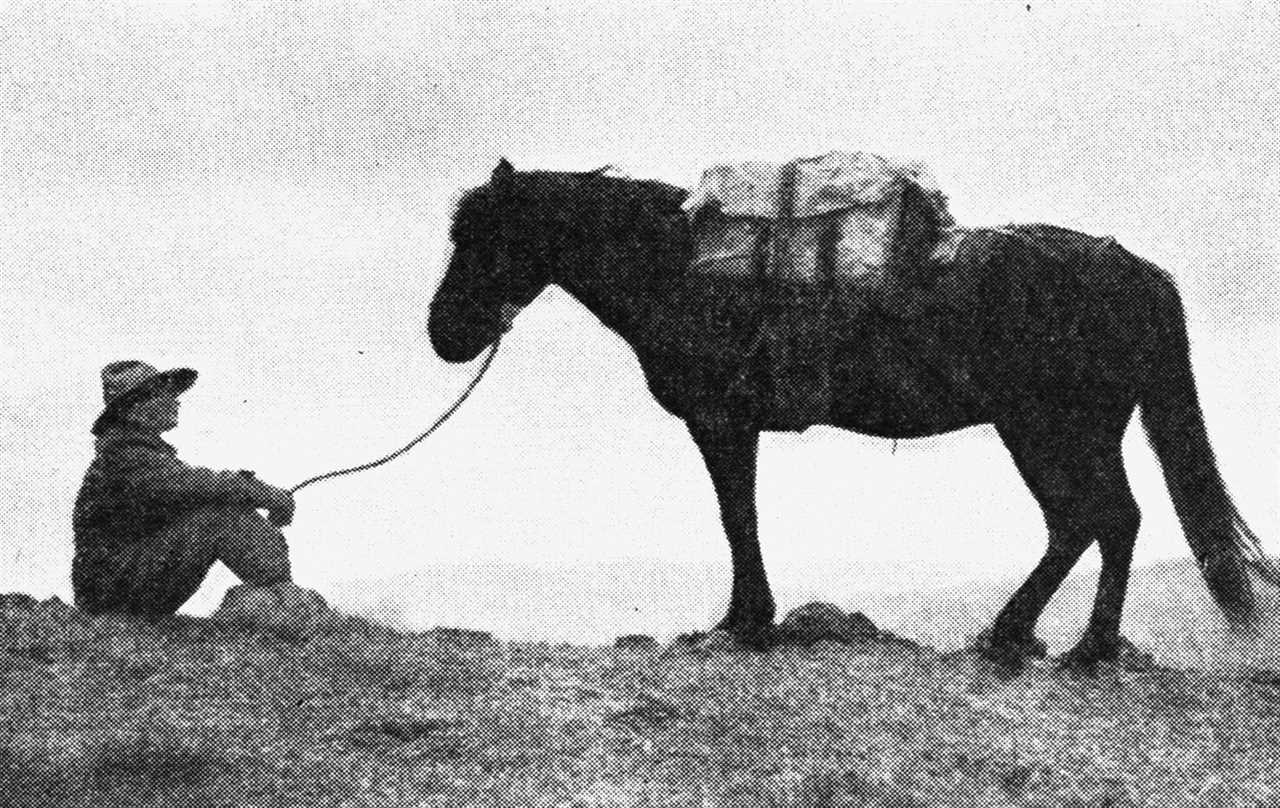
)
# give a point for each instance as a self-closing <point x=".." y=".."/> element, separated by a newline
<point x="1226" y="549"/>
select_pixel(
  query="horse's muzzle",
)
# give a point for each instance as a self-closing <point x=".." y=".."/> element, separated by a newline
<point x="460" y="330"/>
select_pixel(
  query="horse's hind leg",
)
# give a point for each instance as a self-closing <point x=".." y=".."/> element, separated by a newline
<point x="1118" y="532"/>
<point x="730" y="456"/>
<point x="1011" y="637"/>
<point x="1074" y="469"/>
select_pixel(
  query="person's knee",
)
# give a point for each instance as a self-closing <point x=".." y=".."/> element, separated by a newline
<point x="270" y="561"/>
<point x="250" y="546"/>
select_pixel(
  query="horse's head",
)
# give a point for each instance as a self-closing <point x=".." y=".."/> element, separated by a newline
<point x="500" y="259"/>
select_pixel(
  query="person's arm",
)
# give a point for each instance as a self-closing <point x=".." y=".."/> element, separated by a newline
<point x="158" y="477"/>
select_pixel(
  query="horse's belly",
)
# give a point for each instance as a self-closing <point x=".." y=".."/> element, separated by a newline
<point x="907" y="398"/>
<point x="886" y="423"/>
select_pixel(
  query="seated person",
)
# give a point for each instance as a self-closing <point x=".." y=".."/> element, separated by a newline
<point x="148" y="527"/>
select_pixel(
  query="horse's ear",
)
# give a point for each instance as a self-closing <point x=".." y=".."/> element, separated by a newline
<point x="503" y="173"/>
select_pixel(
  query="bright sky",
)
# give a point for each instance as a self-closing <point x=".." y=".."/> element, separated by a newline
<point x="262" y="192"/>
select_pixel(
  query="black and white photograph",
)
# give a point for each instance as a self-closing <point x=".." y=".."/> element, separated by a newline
<point x="736" y="404"/>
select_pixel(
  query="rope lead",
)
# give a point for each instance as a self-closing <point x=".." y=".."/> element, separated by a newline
<point x="488" y="360"/>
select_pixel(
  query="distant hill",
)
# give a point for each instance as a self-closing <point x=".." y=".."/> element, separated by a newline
<point x="1168" y="612"/>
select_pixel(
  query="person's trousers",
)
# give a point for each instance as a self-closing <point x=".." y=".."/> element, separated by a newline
<point x="158" y="574"/>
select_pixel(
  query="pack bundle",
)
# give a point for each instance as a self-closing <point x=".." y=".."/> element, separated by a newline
<point x="848" y="217"/>
<point x="849" y="221"/>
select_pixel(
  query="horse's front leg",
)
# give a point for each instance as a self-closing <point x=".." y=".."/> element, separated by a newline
<point x="730" y="455"/>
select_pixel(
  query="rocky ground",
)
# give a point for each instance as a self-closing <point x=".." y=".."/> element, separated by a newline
<point x="336" y="711"/>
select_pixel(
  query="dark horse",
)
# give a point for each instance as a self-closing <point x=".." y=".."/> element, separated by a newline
<point x="1052" y="336"/>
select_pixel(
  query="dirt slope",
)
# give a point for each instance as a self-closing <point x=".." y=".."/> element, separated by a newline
<point x="107" y="711"/>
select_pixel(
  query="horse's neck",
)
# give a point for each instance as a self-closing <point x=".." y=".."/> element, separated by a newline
<point x="614" y="290"/>
<point x="613" y="276"/>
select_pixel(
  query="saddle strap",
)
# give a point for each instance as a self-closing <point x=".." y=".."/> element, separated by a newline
<point x="776" y="244"/>
<point x="796" y="353"/>
<point x="786" y="212"/>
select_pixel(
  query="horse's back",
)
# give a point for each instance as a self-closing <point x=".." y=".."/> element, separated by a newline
<point x="1064" y="309"/>
<point x="1045" y="249"/>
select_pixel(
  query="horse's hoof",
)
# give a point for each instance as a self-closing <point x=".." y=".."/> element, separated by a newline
<point x="751" y="634"/>
<point x="1030" y="646"/>
<point x="741" y="621"/>
<point x="1093" y="652"/>
<point x="1086" y="657"/>
<point x="1010" y="651"/>
<point x="718" y="641"/>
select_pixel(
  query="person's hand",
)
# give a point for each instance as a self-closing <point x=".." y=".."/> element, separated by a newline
<point x="280" y="507"/>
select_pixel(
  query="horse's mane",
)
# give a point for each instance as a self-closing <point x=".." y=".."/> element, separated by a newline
<point x="615" y="194"/>
<point x="597" y="200"/>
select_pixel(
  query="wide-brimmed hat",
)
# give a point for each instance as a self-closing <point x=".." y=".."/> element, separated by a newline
<point x="129" y="381"/>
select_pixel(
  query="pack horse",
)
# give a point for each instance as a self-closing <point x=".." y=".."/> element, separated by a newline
<point x="1052" y="336"/>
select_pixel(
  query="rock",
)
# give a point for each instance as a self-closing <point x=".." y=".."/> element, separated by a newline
<point x="706" y="642"/>
<point x="17" y="602"/>
<point x="805" y="626"/>
<point x="284" y="608"/>
<point x="648" y="707"/>
<point x="54" y="605"/>
<point x="428" y="738"/>
<point x="860" y="625"/>
<point x="891" y="639"/>
<point x="635" y="642"/>
<point x="815" y="622"/>
<point x="689" y="638"/>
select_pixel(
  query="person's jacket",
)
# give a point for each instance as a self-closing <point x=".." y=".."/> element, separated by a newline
<point x="135" y="486"/>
